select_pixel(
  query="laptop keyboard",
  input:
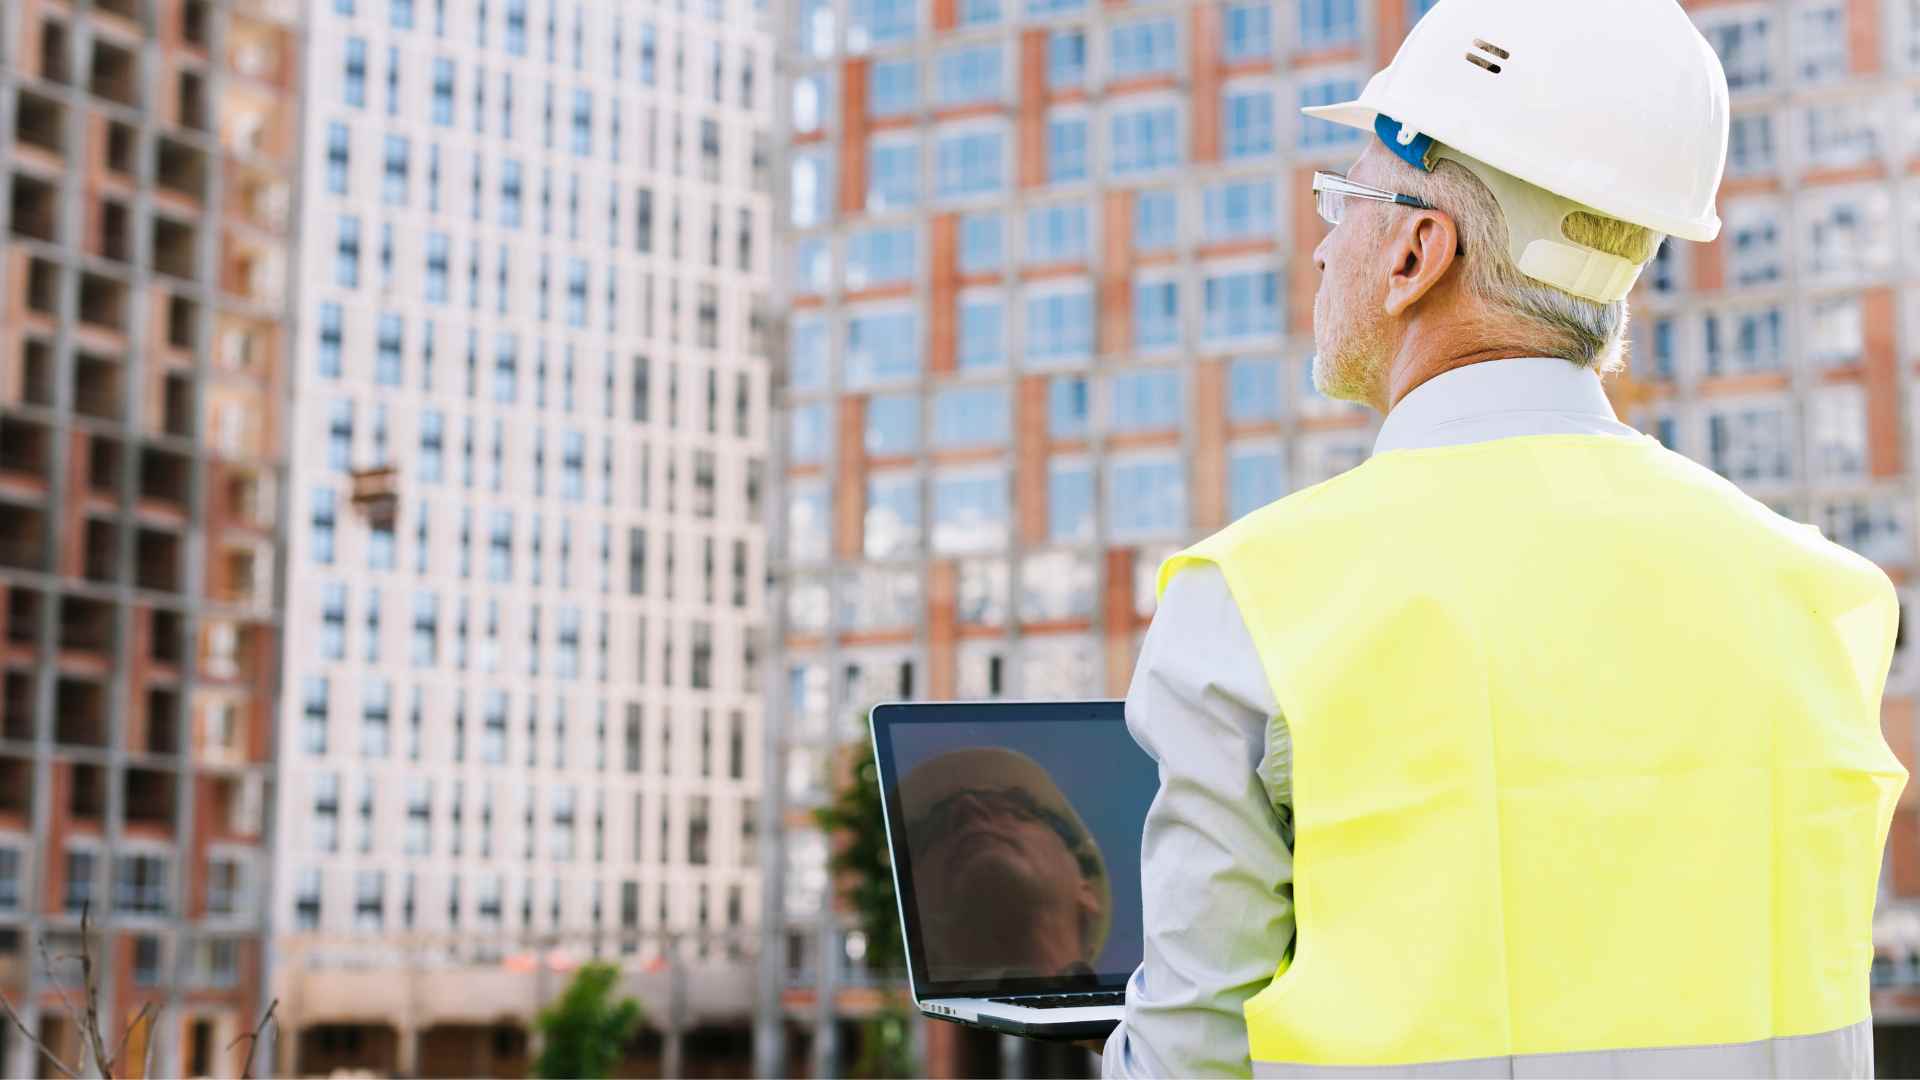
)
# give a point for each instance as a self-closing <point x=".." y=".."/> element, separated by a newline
<point x="1065" y="1001"/>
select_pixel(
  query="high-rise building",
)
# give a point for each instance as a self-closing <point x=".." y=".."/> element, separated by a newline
<point x="1048" y="264"/>
<point x="525" y="618"/>
<point x="143" y="296"/>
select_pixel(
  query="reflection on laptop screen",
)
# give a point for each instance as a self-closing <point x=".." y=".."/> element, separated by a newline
<point x="1023" y="845"/>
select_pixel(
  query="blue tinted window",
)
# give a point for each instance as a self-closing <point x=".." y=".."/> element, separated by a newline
<point x="872" y="22"/>
<point x="1043" y="8"/>
<point x="1156" y="221"/>
<point x="1145" y="138"/>
<point x="1328" y="22"/>
<point x="893" y="87"/>
<point x="983" y="242"/>
<point x="1248" y="31"/>
<point x="983" y="334"/>
<point x="1146" y="498"/>
<point x="1059" y="327"/>
<point x="807" y="434"/>
<point x="882" y="347"/>
<point x="970" y="416"/>
<point x="1143" y="48"/>
<point x="807" y="345"/>
<point x="893" y="175"/>
<point x="346" y="258"/>
<point x="893" y="424"/>
<point x="1057" y="234"/>
<point x="1242" y="305"/>
<point x="1069" y="502"/>
<point x="1314" y="132"/>
<point x="330" y="340"/>
<point x="1249" y="123"/>
<point x="972" y="163"/>
<point x="443" y="92"/>
<point x="893" y="515"/>
<point x="1253" y="390"/>
<point x="1238" y="210"/>
<point x="1068" y="407"/>
<point x="337" y="149"/>
<point x="979" y="12"/>
<point x="813" y="264"/>
<point x="1149" y="400"/>
<point x="1156" y="314"/>
<point x="1254" y="479"/>
<point x="1066" y="149"/>
<point x="879" y="257"/>
<point x="354" y="81"/>
<point x="966" y="76"/>
<point x="970" y="511"/>
<point x="1066" y="58"/>
<point x="392" y="332"/>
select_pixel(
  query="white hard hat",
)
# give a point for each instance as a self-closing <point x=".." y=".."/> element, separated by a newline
<point x="1618" y="107"/>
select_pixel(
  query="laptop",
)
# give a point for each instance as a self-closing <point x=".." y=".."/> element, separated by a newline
<point x="1015" y="832"/>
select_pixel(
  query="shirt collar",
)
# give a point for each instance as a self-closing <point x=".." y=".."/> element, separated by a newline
<point x="1533" y="384"/>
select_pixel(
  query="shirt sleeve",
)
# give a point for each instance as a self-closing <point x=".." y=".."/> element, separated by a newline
<point x="1216" y="862"/>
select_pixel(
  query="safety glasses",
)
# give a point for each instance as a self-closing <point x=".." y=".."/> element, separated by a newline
<point x="1331" y="192"/>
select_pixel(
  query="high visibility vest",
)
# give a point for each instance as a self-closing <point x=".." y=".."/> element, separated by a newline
<point x="1588" y="774"/>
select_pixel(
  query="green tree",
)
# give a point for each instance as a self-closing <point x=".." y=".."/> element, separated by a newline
<point x="860" y="862"/>
<point x="585" y="1031"/>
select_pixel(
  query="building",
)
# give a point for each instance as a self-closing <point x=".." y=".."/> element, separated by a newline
<point x="143" y="296"/>
<point x="521" y="723"/>
<point x="1051" y="299"/>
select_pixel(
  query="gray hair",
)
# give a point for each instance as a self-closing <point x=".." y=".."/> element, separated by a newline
<point x="1585" y="332"/>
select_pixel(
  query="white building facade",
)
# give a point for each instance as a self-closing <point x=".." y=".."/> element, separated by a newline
<point x="525" y="617"/>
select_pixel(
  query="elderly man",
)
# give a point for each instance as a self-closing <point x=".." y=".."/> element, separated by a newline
<point x="1527" y="747"/>
<point x="1010" y="881"/>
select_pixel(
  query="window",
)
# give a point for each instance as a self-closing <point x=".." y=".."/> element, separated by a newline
<point x="1317" y="134"/>
<point x="979" y="12"/>
<point x="983" y="333"/>
<point x="982" y="242"/>
<point x="893" y="174"/>
<point x="1253" y="390"/>
<point x="1069" y="502"/>
<point x="313" y="715"/>
<point x="882" y="346"/>
<point x="333" y="622"/>
<point x="354" y="80"/>
<point x="1249" y="122"/>
<point x="1060" y="326"/>
<point x="1745" y="47"/>
<point x="1744" y="342"/>
<point x="1837" y="435"/>
<point x="82" y="870"/>
<point x="1058" y="234"/>
<point x="393" y="187"/>
<point x="1326" y="23"/>
<point x="1879" y="528"/>
<point x="1143" y="49"/>
<point x="807" y="356"/>
<point x="1149" y="400"/>
<point x="807" y="523"/>
<point x="1146" y="497"/>
<point x="892" y="525"/>
<point x="1849" y="235"/>
<point x="893" y="88"/>
<point x="880" y="257"/>
<point x="1066" y="148"/>
<point x="971" y="416"/>
<point x="337" y="149"/>
<point x="369" y="899"/>
<point x="1156" y="220"/>
<point x="969" y="163"/>
<point x="1256" y="476"/>
<point x="1751" y="445"/>
<point x="1844" y="134"/>
<point x="1247" y="31"/>
<point x="1156" y="314"/>
<point x="970" y="510"/>
<point x="346" y="260"/>
<point x="967" y="76"/>
<point x="876" y="22"/>
<point x="330" y="340"/>
<point x="140" y="885"/>
<point x="1241" y="305"/>
<point x="807" y="434"/>
<point x="443" y="92"/>
<point x="1238" y="210"/>
<point x="1836" y="332"/>
<point x="426" y="628"/>
<point x="10" y="878"/>
<point x="893" y="425"/>
<point x="438" y="257"/>
<point x="812" y="188"/>
<point x="1750" y="144"/>
<point x="323" y="526"/>
<point x="1068" y="407"/>
<point x="1820" y="41"/>
<point x="376" y="701"/>
<point x="1066" y="58"/>
<point x="386" y="369"/>
<point x="1145" y="138"/>
<point x="493" y="733"/>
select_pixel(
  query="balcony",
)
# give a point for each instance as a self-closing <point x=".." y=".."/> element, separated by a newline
<point x="376" y="493"/>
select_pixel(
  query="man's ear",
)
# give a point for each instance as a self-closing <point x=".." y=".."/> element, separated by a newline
<point x="1420" y="250"/>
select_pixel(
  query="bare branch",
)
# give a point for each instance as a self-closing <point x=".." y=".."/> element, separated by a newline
<point x="128" y="1034"/>
<point x="52" y="1059"/>
<point x="90" y="989"/>
<point x="253" y="1039"/>
<point x="73" y="1011"/>
<point x="153" y="1043"/>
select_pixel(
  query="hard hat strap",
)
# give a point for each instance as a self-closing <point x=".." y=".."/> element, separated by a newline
<point x="1408" y="145"/>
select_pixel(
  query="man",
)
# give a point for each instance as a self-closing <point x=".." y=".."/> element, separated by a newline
<point x="1010" y="881"/>
<point x="1557" y="753"/>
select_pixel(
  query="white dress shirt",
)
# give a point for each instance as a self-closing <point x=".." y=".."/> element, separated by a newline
<point x="1217" y="856"/>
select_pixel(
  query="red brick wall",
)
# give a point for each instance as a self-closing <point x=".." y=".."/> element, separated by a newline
<point x="1883" y="382"/>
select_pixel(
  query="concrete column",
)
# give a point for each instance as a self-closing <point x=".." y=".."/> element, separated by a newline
<point x="826" y="1027"/>
<point x="673" y="1049"/>
<point x="406" y="1050"/>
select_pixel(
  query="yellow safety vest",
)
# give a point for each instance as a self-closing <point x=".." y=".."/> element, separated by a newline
<point x="1586" y="759"/>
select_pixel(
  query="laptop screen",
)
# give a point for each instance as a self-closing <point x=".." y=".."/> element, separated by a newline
<point x="1015" y="830"/>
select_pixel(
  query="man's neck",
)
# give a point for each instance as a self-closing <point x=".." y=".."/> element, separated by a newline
<point x="1412" y="368"/>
